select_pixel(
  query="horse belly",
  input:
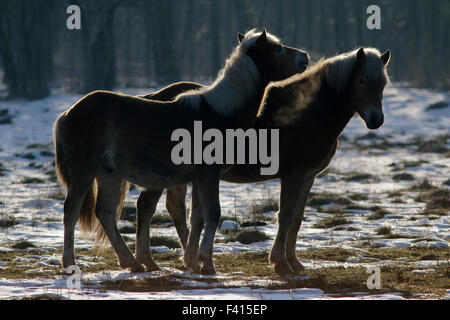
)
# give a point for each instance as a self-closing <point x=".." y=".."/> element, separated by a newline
<point x="246" y="174"/>
<point x="151" y="172"/>
<point x="151" y="178"/>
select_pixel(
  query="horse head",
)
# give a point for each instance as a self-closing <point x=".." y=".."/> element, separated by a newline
<point x="366" y="86"/>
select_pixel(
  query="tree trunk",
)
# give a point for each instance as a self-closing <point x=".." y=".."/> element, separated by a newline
<point x="167" y="68"/>
<point x="98" y="46"/>
<point x="26" y="46"/>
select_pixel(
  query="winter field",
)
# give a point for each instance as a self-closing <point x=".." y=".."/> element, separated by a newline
<point x="384" y="202"/>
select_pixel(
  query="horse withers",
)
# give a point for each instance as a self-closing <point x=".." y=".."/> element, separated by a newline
<point x="310" y="110"/>
<point x="106" y="140"/>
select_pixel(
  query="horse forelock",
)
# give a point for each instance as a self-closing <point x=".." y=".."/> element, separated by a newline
<point x="339" y="68"/>
<point x="375" y="69"/>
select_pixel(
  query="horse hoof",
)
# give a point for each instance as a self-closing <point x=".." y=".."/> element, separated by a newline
<point x="208" y="270"/>
<point x="152" y="267"/>
<point x="149" y="263"/>
<point x="137" y="268"/>
<point x="67" y="264"/>
<point x="191" y="264"/>
<point x="284" y="270"/>
<point x="194" y="268"/>
<point x="296" y="266"/>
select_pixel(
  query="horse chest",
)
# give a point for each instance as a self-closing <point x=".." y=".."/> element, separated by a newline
<point x="325" y="161"/>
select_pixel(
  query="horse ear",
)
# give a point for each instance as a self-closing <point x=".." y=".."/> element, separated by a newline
<point x="360" y="57"/>
<point x="263" y="37"/>
<point x="360" y="54"/>
<point x="385" y="57"/>
<point x="240" y="37"/>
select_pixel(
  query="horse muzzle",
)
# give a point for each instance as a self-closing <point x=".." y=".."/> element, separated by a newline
<point x="374" y="118"/>
<point x="302" y="60"/>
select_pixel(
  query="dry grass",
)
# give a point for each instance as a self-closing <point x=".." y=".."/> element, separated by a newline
<point x="252" y="266"/>
<point x="359" y="177"/>
<point x="29" y="180"/>
<point x="331" y="222"/>
<point x="165" y="241"/>
<point x="267" y="205"/>
<point x="247" y="236"/>
<point x="437" y="201"/>
<point x="319" y="199"/>
<point x="378" y="214"/>
<point x="434" y="145"/>
<point x="23" y="244"/>
<point x="7" y="221"/>
<point x="384" y="230"/>
<point x="403" y="177"/>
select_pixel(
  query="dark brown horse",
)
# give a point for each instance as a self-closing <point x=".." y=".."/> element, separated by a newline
<point x="311" y="110"/>
<point x="107" y="139"/>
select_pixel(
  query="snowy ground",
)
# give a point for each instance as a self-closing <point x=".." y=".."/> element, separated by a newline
<point x="374" y="171"/>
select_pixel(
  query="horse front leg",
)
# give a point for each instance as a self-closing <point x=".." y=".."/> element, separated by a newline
<point x="291" y="185"/>
<point x="295" y="227"/>
<point x="208" y="194"/>
<point x="146" y="207"/>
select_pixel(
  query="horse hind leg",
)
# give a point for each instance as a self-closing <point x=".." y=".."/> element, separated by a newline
<point x="109" y="191"/>
<point x="146" y="206"/>
<point x="176" y="206"/>
<point x="208" y="193"/>
<point x="72" y="209"/>
<point x="197" y="221"/>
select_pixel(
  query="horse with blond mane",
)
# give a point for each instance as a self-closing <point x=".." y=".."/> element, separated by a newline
<point x="107" y="139"/>
<point x="311" y="110"/>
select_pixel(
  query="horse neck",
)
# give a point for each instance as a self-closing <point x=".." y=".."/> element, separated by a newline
<point x="308" y="105"/>
<point x="247" y="116"/>
<point x="337" y="112"/>
<point x="238" y="91"/>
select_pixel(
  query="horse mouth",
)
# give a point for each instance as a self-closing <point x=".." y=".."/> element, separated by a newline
<point x="374" y="125"/>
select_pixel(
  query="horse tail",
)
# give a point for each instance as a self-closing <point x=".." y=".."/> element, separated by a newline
<point x="60" y="159"/>
<point x="100" y="240"/>
<point x="87" y="217"/>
